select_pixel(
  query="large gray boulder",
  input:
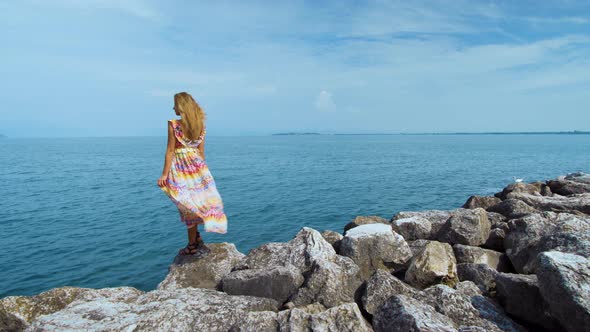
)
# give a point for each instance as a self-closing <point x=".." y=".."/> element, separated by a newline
<point x="480" y="274"/>
<point x="469" y="311"/>
<point x="381" y="286"/>
<point x="402" y="313"/>
<point x="469" y="254"/>
<point x="278" y="282"/>
<point x="437" y="219"/>
<point x="183" y="309"/>
<point x="202" y="271"/>
<point x="329" y="279"/>
<point x="344" y="317"/>
<point x="483" y="202"/>
<point x="512" y="208"/>
<point x="520" y="296"/>
<point x="466" y="226"/>
<point x="578" y="203"/>
<point x="29" y="308"/>
<point x="564" y="282"/>
<point x="373" y="247"/>
<point x="534" y="188"/>
<point x="413" y="228"/>
<point x="435" y="264"/>
<point x="535" y="233"/>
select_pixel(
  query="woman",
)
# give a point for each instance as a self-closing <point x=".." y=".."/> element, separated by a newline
<point x="186" y="178"/>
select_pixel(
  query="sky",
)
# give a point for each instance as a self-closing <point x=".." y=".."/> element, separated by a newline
<point x="111" y="67"/>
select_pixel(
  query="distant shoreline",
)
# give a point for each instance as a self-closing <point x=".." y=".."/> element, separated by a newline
<point x="575" y="132"/>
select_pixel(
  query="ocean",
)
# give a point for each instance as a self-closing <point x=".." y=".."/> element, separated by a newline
<point x="88" y="212"/>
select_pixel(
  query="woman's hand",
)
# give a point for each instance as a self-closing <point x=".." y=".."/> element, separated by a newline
<point x="162" y="180"/>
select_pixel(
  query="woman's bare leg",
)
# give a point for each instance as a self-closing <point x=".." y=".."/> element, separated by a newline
<point x="192" y="234"/>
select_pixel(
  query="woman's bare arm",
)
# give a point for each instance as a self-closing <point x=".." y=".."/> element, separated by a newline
<point x="169" y="150"/>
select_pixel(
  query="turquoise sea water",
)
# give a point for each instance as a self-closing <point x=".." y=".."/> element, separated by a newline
<point x="88" y="212"/>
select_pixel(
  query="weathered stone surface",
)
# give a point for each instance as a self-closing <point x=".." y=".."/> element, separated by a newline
<point x="365" y="220"/>
<point x="459" y="307"/>
<point x="571" y="184"/>
<point x="520" y="296"/>
<point x="375" y="246"/>
<point x="466" y="226"/>
<point x="9" y="322"/>
<point x="480" y="274"/>
<point x="483" y="202"/>
<point x="577" y="204"/>
<point x="202" y="271"/>
<point x="564" y="282"/>
<point x="29" y="308"/>
<point x="417" y="246"/>
<point x="333" y="238"/>
<point x="494" y="259"/>
<point x="546" y="231"/>
<point x="183" y="309"/>
<point x="437" y="218"/>
<point x="512" y="208"/>
<point x="497" y="220"/>
<point x="330" y="279"/>
<point x="380" y="287"/>
<point x="413" y="228"/>
<point x="344" y="317"/>
<point x="403" y="314"/>
<point x="278" y="283"/>
<point x="495" y="240"/>
<point x="534" y="188"/>
<point x="435" y="264"/>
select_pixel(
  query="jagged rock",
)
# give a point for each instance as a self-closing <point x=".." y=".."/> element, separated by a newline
<point x="344" y="317"/>
<point x="520" y="296"/>
<point x="483" y="202"/>
<point x="330" y="279"/>
<point x="202" y="271"/>
<point x="458" y="306"/>
<point x="571" y="184"/>
<point x="546" y="231"/>
<point x="333" y="238"/>
<point x="417" y="246"/>
<point x="534" y="188"/>
<point x="494" y="259"/>
<point x="182" y="309"/>
<point x="564" y="282"/>
<point x="435" y="264"/>
<point x="497" y="220"/>
<point x="512" y="208"/>
<point x="402" y="313"/>
<point x="380" y="287"/>
<point x="466" y="226"/>
<point x="9" y="322"/>
<point x="29" y="308"/>
<point x="437" y="218"/>
<point x="495" y="240"/>
<point x="413" y="228"/>
<point x="575" y="204"/>
<point x="375" y="246"/>
<point x="480" y="274"/>
<point x="278" y="282"/>
<point x="365" y="220"/>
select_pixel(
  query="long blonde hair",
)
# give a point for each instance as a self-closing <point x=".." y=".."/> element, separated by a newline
<point x="192" y="115"/>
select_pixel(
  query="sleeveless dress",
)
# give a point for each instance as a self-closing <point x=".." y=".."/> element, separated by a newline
<point x="191" y="186"/>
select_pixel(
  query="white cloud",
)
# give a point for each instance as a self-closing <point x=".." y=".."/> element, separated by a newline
<point x="324" y="102"/>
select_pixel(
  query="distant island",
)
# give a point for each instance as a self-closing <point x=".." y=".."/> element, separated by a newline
<point x="574" y="132"/>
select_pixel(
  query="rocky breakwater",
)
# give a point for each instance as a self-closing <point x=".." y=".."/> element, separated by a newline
<point x="515" y="261"/>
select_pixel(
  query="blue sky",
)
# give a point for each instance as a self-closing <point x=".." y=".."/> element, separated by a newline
<point x="111" y="67"/>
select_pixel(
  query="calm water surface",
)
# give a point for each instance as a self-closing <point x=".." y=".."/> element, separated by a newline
<point x="88" y="212"/>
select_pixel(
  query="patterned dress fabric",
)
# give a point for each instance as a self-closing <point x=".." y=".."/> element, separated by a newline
<point x="191" y="186"/>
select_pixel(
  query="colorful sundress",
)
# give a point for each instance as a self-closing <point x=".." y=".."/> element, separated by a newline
<point x="191" y="186"/>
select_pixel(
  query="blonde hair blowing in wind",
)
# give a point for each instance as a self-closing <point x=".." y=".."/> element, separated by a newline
<point x="191" y="114"/>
